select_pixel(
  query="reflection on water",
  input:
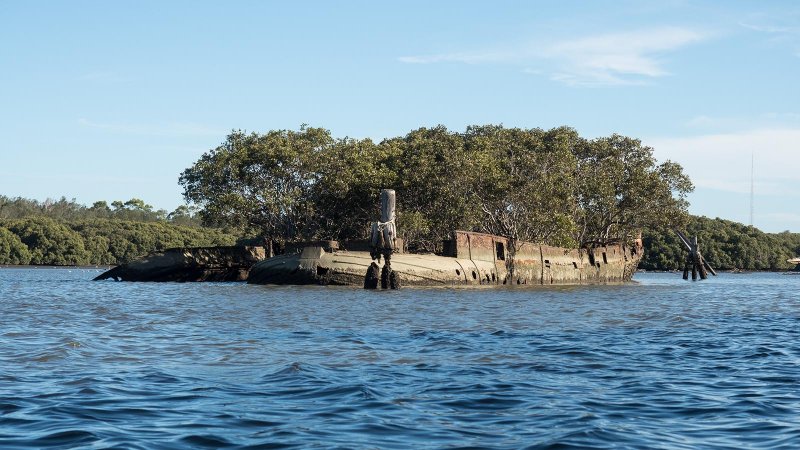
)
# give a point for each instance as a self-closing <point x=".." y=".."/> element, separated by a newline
<point x="660" y="363"/>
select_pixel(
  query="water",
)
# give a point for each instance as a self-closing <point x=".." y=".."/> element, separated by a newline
<point x="663" y="363"/>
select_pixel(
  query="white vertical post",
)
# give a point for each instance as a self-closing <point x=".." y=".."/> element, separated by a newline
<point x="387" y="217"/>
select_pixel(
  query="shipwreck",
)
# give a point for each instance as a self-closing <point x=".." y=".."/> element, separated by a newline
<point x="469" y="258"/>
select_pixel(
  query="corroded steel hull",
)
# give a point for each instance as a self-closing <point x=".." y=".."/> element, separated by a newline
<point x="486" y="263"/>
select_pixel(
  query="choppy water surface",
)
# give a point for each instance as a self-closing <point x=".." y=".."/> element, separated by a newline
<point x="661" y="363"/>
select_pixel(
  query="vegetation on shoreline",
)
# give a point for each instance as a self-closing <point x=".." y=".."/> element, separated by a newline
<point x="726" y="245"/>
<point x="41" y="240"/>
<point x="549" y="186"/>
<point x="132" y="210"/>
<point x="64" y="232"/>
<point x="45" y="241"/>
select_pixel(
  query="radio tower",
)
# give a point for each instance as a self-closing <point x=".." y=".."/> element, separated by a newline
<point x="752" y="161"/>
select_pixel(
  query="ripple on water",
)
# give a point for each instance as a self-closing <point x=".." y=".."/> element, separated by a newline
<point x="661" y="364"/>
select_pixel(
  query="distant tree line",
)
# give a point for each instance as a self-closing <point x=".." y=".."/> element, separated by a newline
<point x="42" y="240"/>
<point x="550" y="186"/>
<point x="62" y="209"/>
<point x="46" y="241"/>
<point x="725" y="245"/>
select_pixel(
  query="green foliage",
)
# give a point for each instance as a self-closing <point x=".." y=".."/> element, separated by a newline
<point x="621" y="190"/>
<point x="526" y="184"/>
<point x="260" y="182"/>
<point x="184" y="215"/>
<point x="348" y="175"/>
<point x="50" y="242"/>
<point x="725" y="244"/>
<point x="435" y="182"/>
<point x="12" y="250"/>
<point x="63" y="209"/>
<point x="41" y="240"/>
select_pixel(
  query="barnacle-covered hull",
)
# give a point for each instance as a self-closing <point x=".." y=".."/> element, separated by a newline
<point x="469" y="259"/>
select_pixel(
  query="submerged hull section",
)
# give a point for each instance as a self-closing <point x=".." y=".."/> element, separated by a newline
<point x="189" y="264"/>
<point x="486" y="263"/>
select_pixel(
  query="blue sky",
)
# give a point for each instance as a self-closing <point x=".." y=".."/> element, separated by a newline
<point x="112" y="100"/>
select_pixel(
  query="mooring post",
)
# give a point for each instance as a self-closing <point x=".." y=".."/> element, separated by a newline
<point x="388" y="232"/>
<point x="387" y="205"/>
<point x="694" y="259"/>
<point x="382" y="243"/>
<point x="701" y="264"/>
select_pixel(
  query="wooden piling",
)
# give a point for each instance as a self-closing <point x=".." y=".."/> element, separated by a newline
<point x="382" y="243"/>
<point x="694" y="259"/>
<point x="387" y="205"/>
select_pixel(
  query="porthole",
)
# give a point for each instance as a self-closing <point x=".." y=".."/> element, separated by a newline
<point x="458" y="272"/>
<point x="474" y="275"/>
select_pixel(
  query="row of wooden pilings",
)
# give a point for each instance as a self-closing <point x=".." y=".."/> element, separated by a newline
<point x="694" y="260"/>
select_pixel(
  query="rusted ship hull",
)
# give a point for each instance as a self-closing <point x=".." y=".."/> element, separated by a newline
<point x="470" y="259"/>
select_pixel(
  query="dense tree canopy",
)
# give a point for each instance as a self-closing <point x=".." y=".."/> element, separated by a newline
<point x="41" y="240"/>
<point x="12" y="249"/>
<point x="63" y="209"/>
<point x="547" y="186"/>
<point x="525" y="182"/>
<point x="622" y="189"/>
<point x="50" y="242"/>
<point x="260" y="182"/>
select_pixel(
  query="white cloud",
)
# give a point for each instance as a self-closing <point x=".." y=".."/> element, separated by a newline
<point x="168" y="129"/>
<point x="723" y="161"/>
<point x="777" y="33"/>
<point x="614" y="58"/>
<point x="772" y="29"/>
<point x="606" y="59"/>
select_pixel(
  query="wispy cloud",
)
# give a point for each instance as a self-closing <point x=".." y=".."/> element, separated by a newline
<point x="168" y="129"/>
<point x="722" y="161"/>
<point x="777" y="33"/>
<point x="770" y="28"/>
<point x="621" y="58"/>
<point x="605" y="59"/>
